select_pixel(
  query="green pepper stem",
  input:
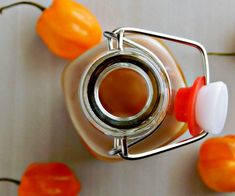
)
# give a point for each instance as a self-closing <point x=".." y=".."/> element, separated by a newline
<point x="221" y="53"/>
<point x="23" y="2"/>
<point x="17" y="182"/>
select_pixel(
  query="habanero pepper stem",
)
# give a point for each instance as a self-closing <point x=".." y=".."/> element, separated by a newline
<point x="221" y="53"/>
<point x="17" y="182"/>
<point x="21" y="3"/>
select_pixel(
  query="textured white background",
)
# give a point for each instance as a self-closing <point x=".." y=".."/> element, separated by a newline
<point x="34" y="124"/>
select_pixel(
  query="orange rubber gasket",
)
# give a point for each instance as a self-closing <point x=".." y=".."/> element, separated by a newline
<point x="194" y="128"/>
<point x="185" y="105"/>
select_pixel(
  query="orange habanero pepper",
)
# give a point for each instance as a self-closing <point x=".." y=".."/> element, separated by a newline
<point x="47" y="179"/>
<point x="216" y="163"/>
<point x="66" y="27"/>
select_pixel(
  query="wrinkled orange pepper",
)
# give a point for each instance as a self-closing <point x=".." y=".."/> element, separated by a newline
<point x="47" y="179"/>
<point x="216" y="163"/>
<point x="66" y="27"/>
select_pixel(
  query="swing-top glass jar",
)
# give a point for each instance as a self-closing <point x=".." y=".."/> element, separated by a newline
<point x="121" y="95"/>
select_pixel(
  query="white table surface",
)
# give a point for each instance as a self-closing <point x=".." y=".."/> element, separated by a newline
<point x="34" y="123"/>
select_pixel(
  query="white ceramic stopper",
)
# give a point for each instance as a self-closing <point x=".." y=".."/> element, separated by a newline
<point x="211" y="107"/>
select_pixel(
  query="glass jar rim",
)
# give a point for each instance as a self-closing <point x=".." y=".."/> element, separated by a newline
<point x="145" y="122"/>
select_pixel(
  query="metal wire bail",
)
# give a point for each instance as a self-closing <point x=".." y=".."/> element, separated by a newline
<point x="117" y="40"/>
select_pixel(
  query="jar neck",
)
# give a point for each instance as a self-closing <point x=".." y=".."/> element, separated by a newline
<point x="157" y="84"/>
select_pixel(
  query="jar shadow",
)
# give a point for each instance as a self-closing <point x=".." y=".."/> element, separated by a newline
<point x="65" y="144"/>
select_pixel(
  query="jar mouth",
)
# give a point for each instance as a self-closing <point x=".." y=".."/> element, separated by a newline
<point x="157" y="86"/>
<point x="116" y="105"/>
<point x="123" y="91"/>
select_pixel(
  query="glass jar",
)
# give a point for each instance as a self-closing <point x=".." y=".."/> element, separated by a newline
<point x="120" y="96"/>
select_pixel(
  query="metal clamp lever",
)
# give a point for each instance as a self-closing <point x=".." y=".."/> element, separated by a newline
<point x="123" y="150"/>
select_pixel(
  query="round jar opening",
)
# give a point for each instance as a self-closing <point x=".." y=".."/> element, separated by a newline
<point x="123" y="92"/>
<point x="126" y="68"/>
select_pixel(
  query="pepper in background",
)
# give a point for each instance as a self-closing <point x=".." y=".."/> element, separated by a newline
<point x="66" y="27"/>
<point x="216" y="164"/>
<point x="47" y="179"/>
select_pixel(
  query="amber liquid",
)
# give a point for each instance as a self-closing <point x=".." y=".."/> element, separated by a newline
<point x="123" y="92"/>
